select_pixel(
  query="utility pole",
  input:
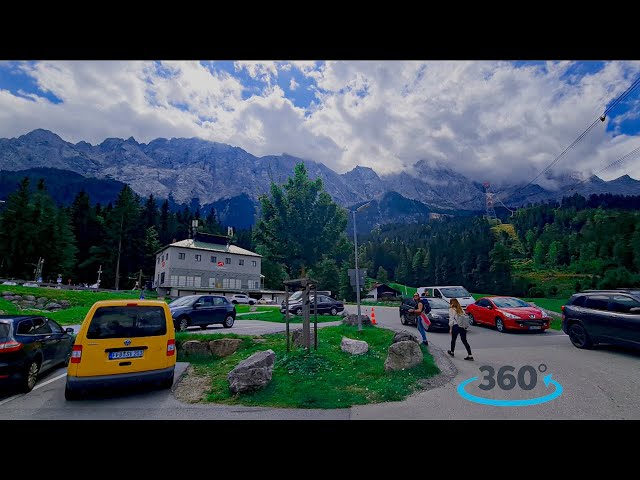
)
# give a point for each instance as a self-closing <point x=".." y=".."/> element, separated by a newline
<point x="140" y="279"/>
<point x="119" y="251"/>
<point x="99" y="273"/>
<point x="355" y="244"/>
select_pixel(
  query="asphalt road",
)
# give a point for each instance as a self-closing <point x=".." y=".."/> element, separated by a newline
<point x="597" y="384"/>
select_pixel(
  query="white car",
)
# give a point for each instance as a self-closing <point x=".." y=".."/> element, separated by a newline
<point x="242" y="298"/>
<point x="265" y="301"/>
<point x="9" y="283"/>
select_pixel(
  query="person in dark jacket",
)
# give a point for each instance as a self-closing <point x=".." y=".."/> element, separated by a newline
<point x="421" y="308"/>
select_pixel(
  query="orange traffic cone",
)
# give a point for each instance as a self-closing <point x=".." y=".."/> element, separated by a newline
<point x="373" y="316"/>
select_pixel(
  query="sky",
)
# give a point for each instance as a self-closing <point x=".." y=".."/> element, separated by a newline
<point x="497" y="121"/>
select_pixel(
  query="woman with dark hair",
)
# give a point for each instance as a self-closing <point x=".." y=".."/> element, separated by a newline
<point x="458" y="324"/>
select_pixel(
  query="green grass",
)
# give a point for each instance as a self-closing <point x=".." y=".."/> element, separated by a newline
<point x="80" y="300"/>
<point x="272" y="314"/>
<point x="401" y="288"/>
<point x="328" y="378"/>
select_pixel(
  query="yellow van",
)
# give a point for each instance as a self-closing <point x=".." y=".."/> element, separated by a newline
<point x="122" y="342"/>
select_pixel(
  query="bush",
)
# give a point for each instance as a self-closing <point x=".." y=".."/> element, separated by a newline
<point x="552" y="291"/>
<point x="618" y="278"/>
<point x="535" y="292"/>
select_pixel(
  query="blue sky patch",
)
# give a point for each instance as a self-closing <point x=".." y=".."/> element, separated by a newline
<point x="19" y="83"/>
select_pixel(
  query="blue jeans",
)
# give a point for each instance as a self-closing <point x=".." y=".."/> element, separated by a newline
<point x="421" y="329"/>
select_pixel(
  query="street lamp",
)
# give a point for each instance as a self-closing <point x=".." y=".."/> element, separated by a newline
<point x="355" y="243"/>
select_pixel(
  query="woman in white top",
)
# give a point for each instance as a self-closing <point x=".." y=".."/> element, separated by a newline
<point x="458" y="325"/>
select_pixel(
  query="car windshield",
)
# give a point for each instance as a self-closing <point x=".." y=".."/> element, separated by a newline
<point x="295" y="296"/>
<point x="509" y="302"/>
<point x="120" y="322"/>
<point x="4" y="330"/>
<point x="454" y="292"/>
<point x="438" y="303"/>
<point x="183" y="301"/>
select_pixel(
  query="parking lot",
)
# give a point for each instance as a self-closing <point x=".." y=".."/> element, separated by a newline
<point x="597" y="384"/>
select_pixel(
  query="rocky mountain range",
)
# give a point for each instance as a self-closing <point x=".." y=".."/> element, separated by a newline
<point x="215" y="173"/>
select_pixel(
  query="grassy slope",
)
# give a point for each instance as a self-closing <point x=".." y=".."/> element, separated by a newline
<point x="346" y="380"/>
<point x="80" y="300"/>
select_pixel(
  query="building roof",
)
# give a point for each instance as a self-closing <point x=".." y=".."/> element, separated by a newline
<point x="212" y="247"/>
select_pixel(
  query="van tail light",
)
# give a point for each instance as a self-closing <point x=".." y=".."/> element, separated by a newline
<point x="562" y="308"/>
<point x="171" y="347"/>
<point x="10" y="346"/>
<point x="76" y="354"/>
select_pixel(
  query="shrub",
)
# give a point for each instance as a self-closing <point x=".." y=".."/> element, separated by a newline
<point x="535" y="292"/>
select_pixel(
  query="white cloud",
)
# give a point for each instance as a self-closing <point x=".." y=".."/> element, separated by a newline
<point x="488" y="120"/>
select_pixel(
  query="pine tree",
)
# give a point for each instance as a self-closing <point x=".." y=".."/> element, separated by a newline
<point x="382" y="275"/>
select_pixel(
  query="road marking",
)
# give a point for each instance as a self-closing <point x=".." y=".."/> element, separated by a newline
<point x="7" y="400"/>
<point x="49" y="381"/>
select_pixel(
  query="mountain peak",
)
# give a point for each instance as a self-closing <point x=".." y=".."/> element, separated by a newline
<point x="41" y="135"/>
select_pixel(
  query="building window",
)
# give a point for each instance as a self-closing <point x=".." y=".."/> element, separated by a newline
<point x="253" y="285"/>
<point x="241" y="262"/>
<point x="227" y="261"/>
<point x="174" y="280"/>
<point x="167" y="256"/>
<point x="158" y="259"/>
<point x="214" y="259"/>
<point x="181" y="256"/>
<point x="162" y="278"/>
<point x="198" y="258"/>
<point x="254" y="263"/>
<point x="231" y="283"/>
<point x="212" y="282"/>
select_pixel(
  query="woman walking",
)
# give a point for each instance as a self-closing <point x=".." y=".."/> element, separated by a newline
<point x="458" y="324"/>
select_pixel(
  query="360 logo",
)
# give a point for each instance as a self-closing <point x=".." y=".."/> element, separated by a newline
<point x="526" y="378"/>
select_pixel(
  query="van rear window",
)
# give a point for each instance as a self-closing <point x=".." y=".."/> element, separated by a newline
<point x="121" y="321"/>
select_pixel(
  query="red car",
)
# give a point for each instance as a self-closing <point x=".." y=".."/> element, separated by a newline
<point x="507" y="313"/>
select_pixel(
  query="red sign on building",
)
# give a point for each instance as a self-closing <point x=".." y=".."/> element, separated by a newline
<point x="221" y="264"/>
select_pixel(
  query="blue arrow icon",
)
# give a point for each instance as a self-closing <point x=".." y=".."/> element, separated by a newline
<point x="511" y="403"/>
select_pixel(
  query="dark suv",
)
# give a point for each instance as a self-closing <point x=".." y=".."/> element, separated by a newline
<point x="603" y="316"/>
<point x="202" y="310"/>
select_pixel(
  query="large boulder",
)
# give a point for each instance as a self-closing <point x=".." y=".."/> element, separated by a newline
<point x="42" y="300"/>
<point x="8" y="298"/>
<point x="354" y="347"/>
<point x="65" y="303"/>
<point x="403" y="336"/>
<point x="353" y="320"/>
<point x="297" y="337"/>
<point x="30" y="298"/>
<point x="52" y="306"/>
<point x="27" y="304"/>
<point x="253" y="373"/>
<point x="195" y="347"/>
<point x="7" y="293"/>
<point x="402" y="355"/>
<point x="224" y="346"/>
<point x="17" y="297"/>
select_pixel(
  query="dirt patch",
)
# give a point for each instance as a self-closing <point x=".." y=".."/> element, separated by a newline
<point x="192" y="388"/>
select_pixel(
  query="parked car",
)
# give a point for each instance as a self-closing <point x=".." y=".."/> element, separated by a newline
<point x="122" y="342"/>
<point x="202" y="310"/>
<point x="508" y="313"/>
<point x="447" y="293"/>
<point x="603" y="316"/>
<point x="265" y="301"/>
<point x="8" y="282"/>
<point x="325" y="305"/>
<point x="439" y="314"/>
<point x="29" y="346"/>
<point x="242" y="298"/>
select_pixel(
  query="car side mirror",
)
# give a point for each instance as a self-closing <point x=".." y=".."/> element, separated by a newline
<point x="197" y="304"/>
<point x="490" y="307"/>
<point x="69" y="330"/>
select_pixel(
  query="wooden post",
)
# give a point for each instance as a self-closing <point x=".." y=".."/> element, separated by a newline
<point x="286" y="313"/>
<point x="306" y="327"/>
<point x="315" y="317"/>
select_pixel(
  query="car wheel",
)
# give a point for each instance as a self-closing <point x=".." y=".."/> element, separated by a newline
<point x="500" y="325"/>
<point x="579" y="336"/>
<point x="403" y="321"/>
<point x="472" y="321"/>
<point x="30" y="376"/>
<point x="334" y="311"/>
<point x="183" y="323"/>
<point x="299" y="312"/>
<point x="167" y="383"/>
<point x="228" y="322"/>
<point x="203" y="327"/>
<point x="252" y="303"/>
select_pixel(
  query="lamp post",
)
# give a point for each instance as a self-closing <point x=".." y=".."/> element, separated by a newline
<point x="355" y="244"/>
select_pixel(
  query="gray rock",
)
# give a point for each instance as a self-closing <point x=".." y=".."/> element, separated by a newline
<point x="17" y="297"/>
<point x="354" y="347"/>
<point x="224" y="346"/>
<point x="195" y="347"/>
<point x="30" y="298"/>
<point x="65" y="303"/>
<point x="403" y="335"/>
<point x="52" y="306"/>
<point x="253" y="373"/>
<point x="297" y="337"/>
<point x="352" y="319"/>
<point x="27" y="304"/>
<point x="7" y="293"/>
<point x="8" y="298"/>
<point x="402" y="355"/>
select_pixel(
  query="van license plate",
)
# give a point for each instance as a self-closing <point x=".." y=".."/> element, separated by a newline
<point x="535" y="328"/>
<point x="125" y="354"/>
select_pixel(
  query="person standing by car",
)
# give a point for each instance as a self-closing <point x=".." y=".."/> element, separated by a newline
<point x="458" y="324"/>
<point x="420" y="308"/>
